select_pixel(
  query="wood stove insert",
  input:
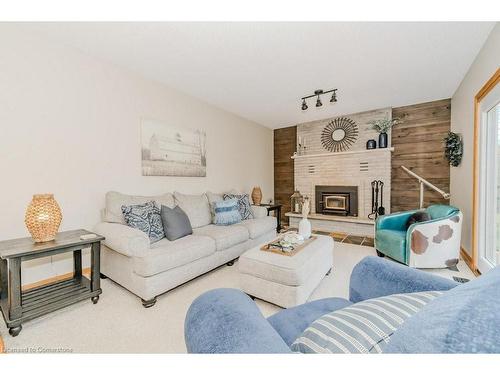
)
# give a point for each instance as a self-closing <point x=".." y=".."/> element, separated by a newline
<point x="336" y="200"/>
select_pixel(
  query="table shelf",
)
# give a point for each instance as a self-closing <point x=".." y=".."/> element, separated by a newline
<point x="19" y="306"/>
<point x="53" y="294"/>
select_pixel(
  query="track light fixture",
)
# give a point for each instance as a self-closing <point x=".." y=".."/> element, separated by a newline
<point x="334" y="97"/>
<point x="318" y="94"/>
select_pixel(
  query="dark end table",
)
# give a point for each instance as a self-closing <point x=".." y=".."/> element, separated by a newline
<point x="20" y="306"/>
<point x="277" y="209"/>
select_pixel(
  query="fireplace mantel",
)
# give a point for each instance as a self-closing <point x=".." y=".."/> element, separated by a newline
<point x="330" y="154"/>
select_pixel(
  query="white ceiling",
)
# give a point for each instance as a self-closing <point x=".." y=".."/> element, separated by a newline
<point x="261" y="70"/>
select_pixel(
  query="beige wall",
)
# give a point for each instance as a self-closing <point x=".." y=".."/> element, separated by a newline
<point x="70" y="125"/>
<point x="462" y="121"/>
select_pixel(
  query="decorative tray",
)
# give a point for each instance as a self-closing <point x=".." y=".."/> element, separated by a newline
<point x="282" y="247"/>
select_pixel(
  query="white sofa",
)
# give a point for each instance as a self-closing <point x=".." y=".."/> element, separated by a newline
<point x="128" y="258"/>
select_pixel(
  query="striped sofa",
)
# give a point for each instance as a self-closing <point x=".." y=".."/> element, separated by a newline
<point x="420" y="312"/>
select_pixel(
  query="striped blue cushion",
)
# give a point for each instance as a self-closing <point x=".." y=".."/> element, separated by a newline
<point x="226" y="212"/>
<point x="365" y="327"/>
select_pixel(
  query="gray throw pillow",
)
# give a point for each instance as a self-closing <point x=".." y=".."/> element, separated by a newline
<point x="176" y="223"/>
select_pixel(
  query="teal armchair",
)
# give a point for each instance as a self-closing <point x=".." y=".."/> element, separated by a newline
<point x="429" y="244"/>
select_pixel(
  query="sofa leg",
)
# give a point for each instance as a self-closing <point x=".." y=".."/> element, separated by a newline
<point x="103" y="276"/>
<point x="230" y="263"/>
<point x="380" y="254"/>
<point x="148" y="303"/>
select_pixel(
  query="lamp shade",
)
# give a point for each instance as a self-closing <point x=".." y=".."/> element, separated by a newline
<point x="43" y="217"/>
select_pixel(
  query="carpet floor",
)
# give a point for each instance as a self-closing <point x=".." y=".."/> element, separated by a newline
<point x="119" y="323"/>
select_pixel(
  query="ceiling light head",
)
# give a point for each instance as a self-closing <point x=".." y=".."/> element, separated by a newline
<point x="334" y="97"/>
<point x="304" y="105"/>
<point x="318" y="102"/>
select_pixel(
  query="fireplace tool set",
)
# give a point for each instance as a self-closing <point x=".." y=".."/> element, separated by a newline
<point x="377" y="191"/>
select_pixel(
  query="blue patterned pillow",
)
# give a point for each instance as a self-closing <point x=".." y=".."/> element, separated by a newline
<point x="145" y="217"/>
<point x="226" y="212"/>
<point x="243" y="205"/>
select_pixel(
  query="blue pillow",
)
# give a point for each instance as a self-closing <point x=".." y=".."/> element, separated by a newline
<point x="226" y="212"/>
<point x="145" y="217"/>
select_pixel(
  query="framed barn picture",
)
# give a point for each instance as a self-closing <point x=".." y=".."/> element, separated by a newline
<point x="172" y="151"/>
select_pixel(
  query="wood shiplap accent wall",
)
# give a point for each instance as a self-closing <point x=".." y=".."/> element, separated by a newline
<point x="419" y="146"/>
<point x="285" y="144"/>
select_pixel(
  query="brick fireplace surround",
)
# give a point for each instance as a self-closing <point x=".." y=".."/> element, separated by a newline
<point x="355" y="167"/>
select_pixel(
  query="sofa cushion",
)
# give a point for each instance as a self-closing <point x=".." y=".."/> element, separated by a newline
<point x="214" y="197"/>
<point x="392" y="243"/>
<point x="165" y="255"/>
<point x="145" y="217"/>
<point x="465" y="319"/>
<point x="365" y="327"/>
<point x="226" y="212"/>
<point x="260" y="226"/>
<point x="115" y="201"/>
<point x="259" y="211"/>
<point x="196" y="208"/>
<point x="224" y="236"/>
<point x="175" y="223"/>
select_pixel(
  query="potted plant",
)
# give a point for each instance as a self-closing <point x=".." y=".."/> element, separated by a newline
<point x="382" y="127"/>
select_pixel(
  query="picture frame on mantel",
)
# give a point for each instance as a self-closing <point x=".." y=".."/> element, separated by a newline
<point x="168" y="150"/>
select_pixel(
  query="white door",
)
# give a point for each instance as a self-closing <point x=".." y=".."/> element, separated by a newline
<point x="489" y="181"/>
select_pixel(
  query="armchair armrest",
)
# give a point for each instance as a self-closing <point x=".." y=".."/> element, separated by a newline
<point x="228" y="321"/>
<point x="259" y="211"/>
<point x="376" y="277"/>
<point x="396" y="221"/>
<point x="124" y="239"/>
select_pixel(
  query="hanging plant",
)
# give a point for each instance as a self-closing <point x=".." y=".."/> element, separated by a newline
<point x="453" y="149"/>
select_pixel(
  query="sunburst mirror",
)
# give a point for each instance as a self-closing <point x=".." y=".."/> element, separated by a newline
<point x="339" y="134"/>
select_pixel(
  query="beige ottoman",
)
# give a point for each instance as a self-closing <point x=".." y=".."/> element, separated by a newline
<point x="285" y="280"/>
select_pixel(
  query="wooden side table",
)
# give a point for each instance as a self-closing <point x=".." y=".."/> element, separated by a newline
<point x="277" y="208"/>
<point x="18" y="306"/>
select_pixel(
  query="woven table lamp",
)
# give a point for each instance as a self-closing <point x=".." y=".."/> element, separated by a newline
<point x="43" y="217"/>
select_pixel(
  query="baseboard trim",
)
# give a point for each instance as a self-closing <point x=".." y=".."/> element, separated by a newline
<point x="69" y="275"/>
<point x="468" y="260"/>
